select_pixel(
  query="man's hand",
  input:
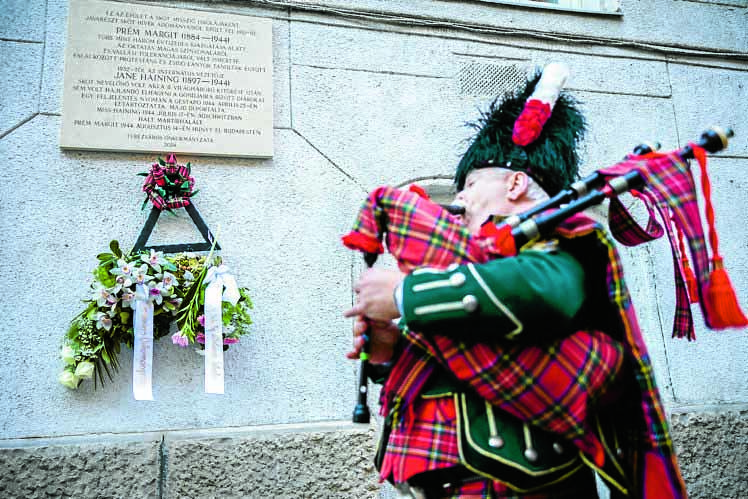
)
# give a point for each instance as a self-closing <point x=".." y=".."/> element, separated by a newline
<point x="375" y="290"/>
<point x="383" y="337"/>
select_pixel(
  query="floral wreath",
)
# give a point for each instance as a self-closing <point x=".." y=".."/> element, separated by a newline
<point x="175" y="284"/>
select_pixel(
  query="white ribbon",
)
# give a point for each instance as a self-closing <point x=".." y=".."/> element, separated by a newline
<point x="142" y="362"/>
<point x="221" y="287"/>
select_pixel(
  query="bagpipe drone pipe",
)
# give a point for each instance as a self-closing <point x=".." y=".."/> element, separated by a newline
<point x="421" y="233"/>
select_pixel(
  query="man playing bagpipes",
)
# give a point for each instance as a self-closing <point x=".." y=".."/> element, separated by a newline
<point x="511" y="373"/>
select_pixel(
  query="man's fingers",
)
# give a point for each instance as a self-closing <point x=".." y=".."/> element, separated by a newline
<point x="359" y="327"/>
<point x="357" y="309"/>
<point x="358" y="345"/>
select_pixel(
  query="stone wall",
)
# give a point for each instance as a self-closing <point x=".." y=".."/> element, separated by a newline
<point x="366" y="92"/>
<point x="287" y="461"/>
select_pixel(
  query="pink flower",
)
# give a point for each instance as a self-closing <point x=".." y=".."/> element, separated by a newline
<point x="180" y="339"/>
<point x="201" y="320"/>
<point x="200" y="338"/>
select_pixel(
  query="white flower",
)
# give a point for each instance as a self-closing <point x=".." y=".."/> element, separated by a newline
<point x="103" y="295"/>
<point x="124" y="272"/>
<point x="127" y="298"/>
<point x="68" y="354"/>
<point x="68" y="379"/>
<point x="103" y="321"/>
<point x="141" y="275"/>
<point x="156" y="294"/>
<point x="169" y="280"/>
<point x="84" y="370"/>
<point x="155" y="259"/>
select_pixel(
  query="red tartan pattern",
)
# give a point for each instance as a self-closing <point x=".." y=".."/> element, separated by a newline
<point x="662" y="478"/>
<point x="389" y="210"/>
<point x="428" y="441"/>
<point x="551" y="387"/>
<point x="417" y="231"/>
<point x="671" y="188"/>
<point x="155" y="184"/>
<point x="625" y="228"/>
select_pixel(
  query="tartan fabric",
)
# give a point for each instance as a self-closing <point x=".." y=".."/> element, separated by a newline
<point x="550" y="386"/>
<point x="417" y="231"/>
<point x="429" y="442"/>
<point x="670" y="183"/>
<point x="625" y="229"/>
<point x="399" y="211"/>
<point x="160" y="187"/>
<point x="661" y="476"/>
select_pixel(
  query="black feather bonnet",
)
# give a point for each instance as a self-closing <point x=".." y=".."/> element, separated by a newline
<point x="551" y="159"/>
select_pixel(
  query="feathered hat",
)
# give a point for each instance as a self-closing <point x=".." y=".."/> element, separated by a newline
<point x="535" y="129"/>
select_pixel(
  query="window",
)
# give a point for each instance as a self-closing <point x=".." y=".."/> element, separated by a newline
<point x="601" y="6"/>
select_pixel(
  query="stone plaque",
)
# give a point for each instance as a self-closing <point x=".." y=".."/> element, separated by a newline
<point x="145" y="78"/>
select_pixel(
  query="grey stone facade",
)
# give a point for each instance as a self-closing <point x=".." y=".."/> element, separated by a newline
<point x="290" y="461"/>
<point x="366" y="92"/>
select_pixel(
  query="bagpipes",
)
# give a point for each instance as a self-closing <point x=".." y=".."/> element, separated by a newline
<point x="419" y="232"/>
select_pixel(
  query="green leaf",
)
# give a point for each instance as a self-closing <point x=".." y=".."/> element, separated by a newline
<point x="169" y="266"/>
<point x="102" y="275"/>
<point x="161" y="162"/>
<point x="105" y="256"/>
<point x="142" y="174"/>
<point x="114" y="246"/>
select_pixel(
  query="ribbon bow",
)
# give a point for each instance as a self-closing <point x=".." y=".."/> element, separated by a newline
<point x="168" y="185"/>
<point x="226" y="281"/>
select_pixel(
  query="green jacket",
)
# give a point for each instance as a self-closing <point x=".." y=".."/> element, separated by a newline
<point x="530" y="297"/>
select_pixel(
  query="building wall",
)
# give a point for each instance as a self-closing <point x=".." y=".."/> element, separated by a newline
<point x="366" y="92"/>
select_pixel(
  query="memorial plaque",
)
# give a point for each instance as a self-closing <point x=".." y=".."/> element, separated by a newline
<point x="146" y="78"/>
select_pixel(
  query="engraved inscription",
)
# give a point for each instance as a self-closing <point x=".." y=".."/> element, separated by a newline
<point x="148" y="78"/>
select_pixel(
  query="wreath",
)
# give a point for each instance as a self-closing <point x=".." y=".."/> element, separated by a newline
<point x="175" y="284"/>
<point x="168" y="185"/>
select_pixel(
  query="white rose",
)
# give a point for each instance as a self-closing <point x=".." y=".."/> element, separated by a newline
<point x="84" y="370"/>
<point x="68" y="379"/>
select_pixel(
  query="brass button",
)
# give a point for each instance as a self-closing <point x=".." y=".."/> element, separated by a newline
<point x="457" y="279"/>
<point x="470" y="303"/>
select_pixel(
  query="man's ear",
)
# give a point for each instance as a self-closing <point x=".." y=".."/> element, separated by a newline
<point x="517" y="185"/>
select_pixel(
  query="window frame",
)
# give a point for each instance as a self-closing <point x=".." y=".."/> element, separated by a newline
<point x="550" y="6"/>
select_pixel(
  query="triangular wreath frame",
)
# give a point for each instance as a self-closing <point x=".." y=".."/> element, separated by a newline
<point x="150" y="223"/>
